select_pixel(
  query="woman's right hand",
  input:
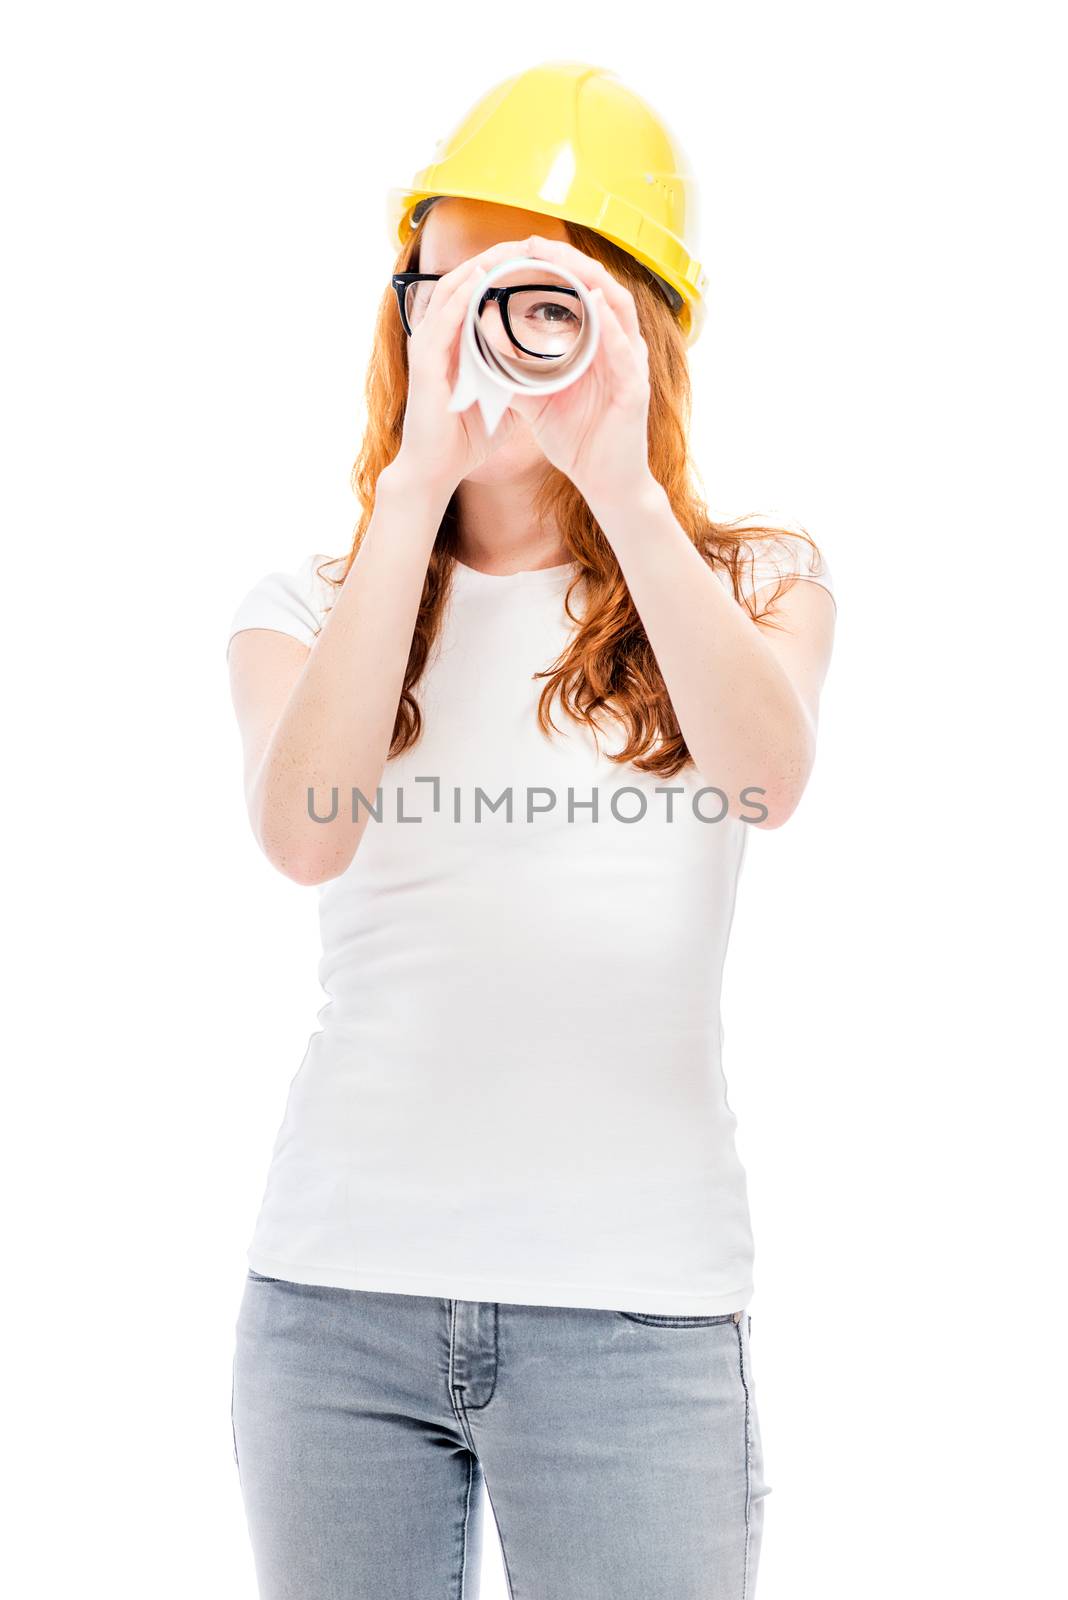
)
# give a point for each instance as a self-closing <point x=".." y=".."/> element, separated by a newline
<point x="439" y="447"/>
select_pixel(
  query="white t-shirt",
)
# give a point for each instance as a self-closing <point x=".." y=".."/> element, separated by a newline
<point x="516" y="1093"/>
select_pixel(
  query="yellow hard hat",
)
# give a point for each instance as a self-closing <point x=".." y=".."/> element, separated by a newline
<point x="568" y="139"/>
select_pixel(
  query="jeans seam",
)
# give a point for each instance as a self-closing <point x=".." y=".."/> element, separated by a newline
<point x="653" y="1319"/>
<point x="462" y="1576"/>
<point x="748" y="1463"/>
<point x="459" y="1400"/>
<point x="233" y="1425"/>
<point x="496" y="1363"/>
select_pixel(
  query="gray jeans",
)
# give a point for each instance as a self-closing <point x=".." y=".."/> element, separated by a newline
<point x="620" y="1451"/>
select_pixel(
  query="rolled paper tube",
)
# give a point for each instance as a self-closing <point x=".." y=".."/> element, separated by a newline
<point x="490" y="380"/>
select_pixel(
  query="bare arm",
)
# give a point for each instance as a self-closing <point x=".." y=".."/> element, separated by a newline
<point x="746" y="696"/>
<point x="324" y="717"/>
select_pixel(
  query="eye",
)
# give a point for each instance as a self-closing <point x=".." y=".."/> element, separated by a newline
<point x="545" y="322"/>
<point x="550" y="311"/>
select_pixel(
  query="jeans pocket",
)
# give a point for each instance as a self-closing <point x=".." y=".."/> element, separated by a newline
<point x="654" y="1319"/>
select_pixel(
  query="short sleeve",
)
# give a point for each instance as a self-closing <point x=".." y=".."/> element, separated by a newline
<point x="288" y="602"/>
<point x="785" y="555"/>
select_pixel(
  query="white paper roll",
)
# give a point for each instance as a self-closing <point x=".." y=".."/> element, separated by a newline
<point x="490" y="386"/>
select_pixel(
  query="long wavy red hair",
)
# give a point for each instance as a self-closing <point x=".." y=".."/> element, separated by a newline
<point x="608" y="666"/>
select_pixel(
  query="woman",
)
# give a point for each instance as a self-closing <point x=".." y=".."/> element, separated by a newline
<point x="517" y="737"/>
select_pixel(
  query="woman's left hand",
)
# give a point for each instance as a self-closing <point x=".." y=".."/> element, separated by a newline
<point x="597" y="429"/>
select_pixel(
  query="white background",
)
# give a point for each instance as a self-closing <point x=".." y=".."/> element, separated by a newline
<point x="194" y="198"/>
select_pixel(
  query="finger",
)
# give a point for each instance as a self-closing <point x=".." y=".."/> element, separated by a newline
<point x="591" y="271"/>
<point x="436" y="339"/>
<point x="450" y="295"/>
<point x="447" y="283"/>
<point x="621" y="301"/>
<point x="445" y="313"/>
<point x="596" y="275"/>
<point x="621" y="358"/>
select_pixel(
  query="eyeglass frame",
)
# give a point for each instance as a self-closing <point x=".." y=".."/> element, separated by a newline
<point x="500" y="293"/>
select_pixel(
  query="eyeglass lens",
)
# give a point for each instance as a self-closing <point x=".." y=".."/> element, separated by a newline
<point x="540" y="320"/>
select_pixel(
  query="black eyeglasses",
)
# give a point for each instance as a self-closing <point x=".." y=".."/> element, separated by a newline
<point x="545" y="336"/>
